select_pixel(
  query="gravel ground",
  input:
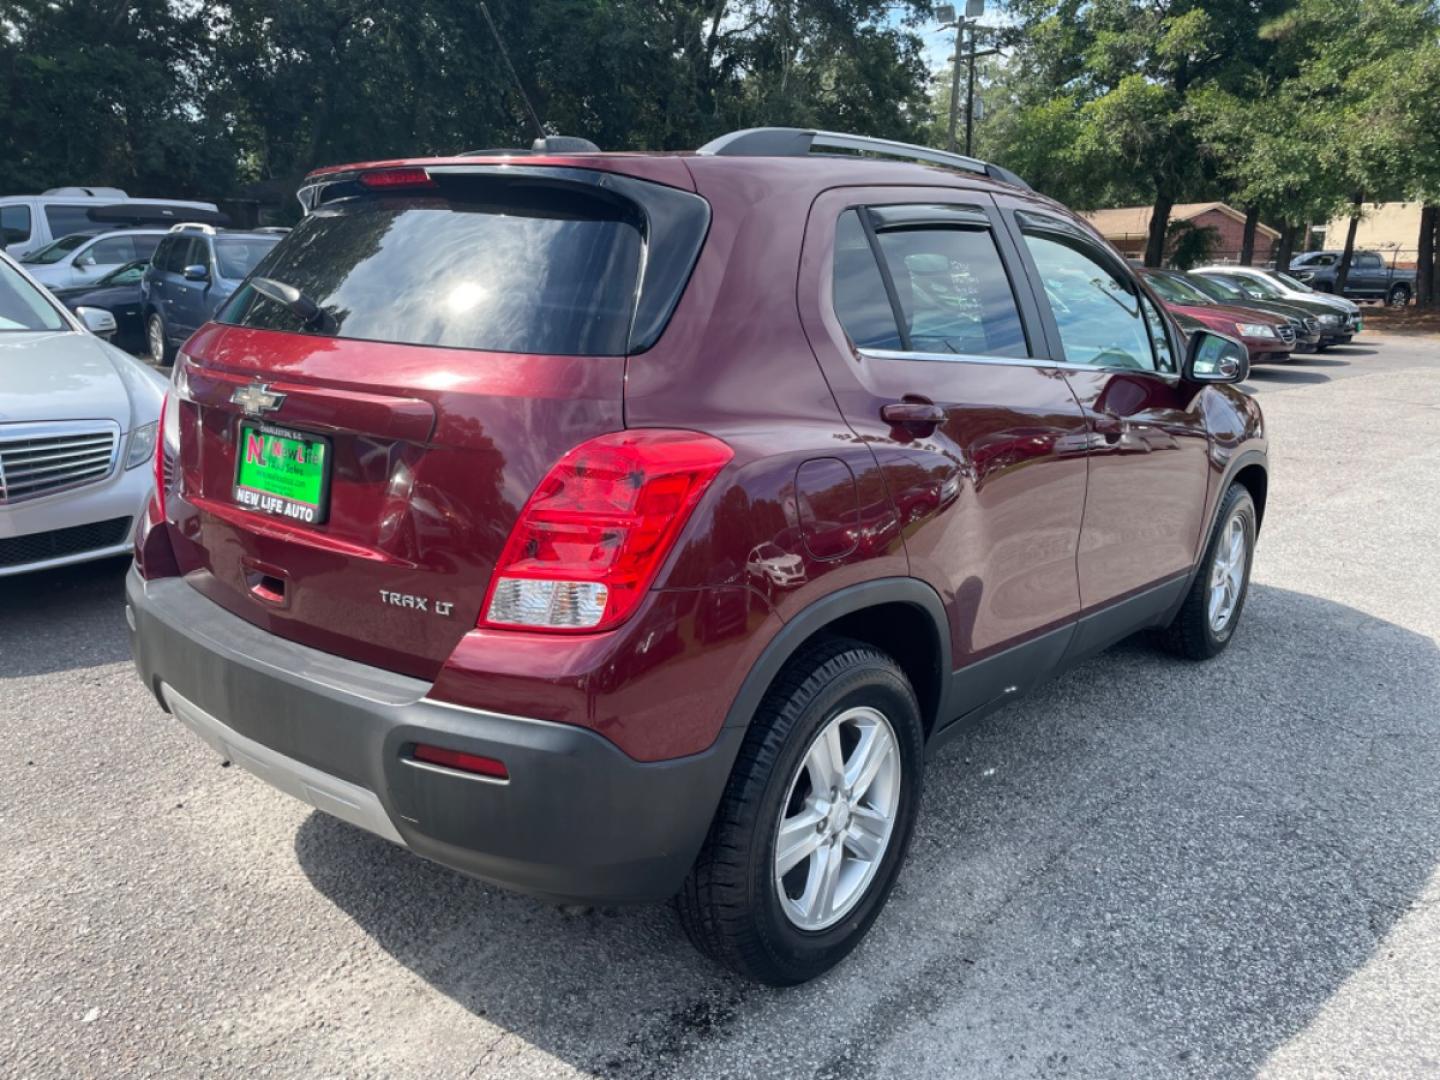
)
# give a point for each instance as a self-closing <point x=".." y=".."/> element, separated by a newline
<point x="1148" y="869"/>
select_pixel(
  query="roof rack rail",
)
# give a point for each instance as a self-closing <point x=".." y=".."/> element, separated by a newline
<point x="193" y="226"/>
<point x="797" y="142"/>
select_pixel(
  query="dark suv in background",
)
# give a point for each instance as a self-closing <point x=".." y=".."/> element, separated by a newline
<point x="194" y="270"/>
<point x="617" y="526"/>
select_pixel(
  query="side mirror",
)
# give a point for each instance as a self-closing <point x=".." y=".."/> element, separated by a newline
<point x="1214" y="358"/>
<point x="98" y="321"/>
<point x="197" y="272"/>
<point x="84" y="260"/>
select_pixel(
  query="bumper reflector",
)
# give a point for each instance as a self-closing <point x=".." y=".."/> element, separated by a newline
<point x="461" y="761"/>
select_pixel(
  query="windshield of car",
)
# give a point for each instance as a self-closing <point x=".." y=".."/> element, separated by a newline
<point x="1176" y="290"/>
<point x="1293" y="283"/>
<point x="129" y="274"/>
<point x="56" y="250"/>
<point x="1254" y="287"/>
<point x="236" y="256"/>
<point x="24" y="307"/>
<point x="1214" y="288"/>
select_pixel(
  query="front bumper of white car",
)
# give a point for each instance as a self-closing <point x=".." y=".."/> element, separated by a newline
<point x="77" y="525"/>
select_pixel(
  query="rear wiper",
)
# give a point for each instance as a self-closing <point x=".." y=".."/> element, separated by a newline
<point x="306" y="310"/>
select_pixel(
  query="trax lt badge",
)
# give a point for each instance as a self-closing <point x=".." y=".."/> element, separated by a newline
<point x="415" y="603"/>
<point x="256" y="399"/>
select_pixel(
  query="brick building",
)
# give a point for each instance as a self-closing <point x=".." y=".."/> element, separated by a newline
<point x="1128" y="227"/>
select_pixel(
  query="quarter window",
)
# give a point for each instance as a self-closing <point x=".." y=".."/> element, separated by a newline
<point x="1097" y="313"/>
<point x="1159" y="336"/>
<point x="861" y="301"/>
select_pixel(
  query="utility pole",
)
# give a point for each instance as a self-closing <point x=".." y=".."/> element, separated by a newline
<point x="946" y="14"/>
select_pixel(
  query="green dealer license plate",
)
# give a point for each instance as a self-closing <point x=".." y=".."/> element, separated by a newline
<point x="283" y="472"/>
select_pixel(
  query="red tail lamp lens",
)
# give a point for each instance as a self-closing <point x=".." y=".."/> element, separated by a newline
<point x="595" y="532"/>
<point x="458" y="759"/>
<point x="394" y="178"/>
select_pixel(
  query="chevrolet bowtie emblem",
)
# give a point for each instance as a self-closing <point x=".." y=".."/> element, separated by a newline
<point x="257" y="399"/>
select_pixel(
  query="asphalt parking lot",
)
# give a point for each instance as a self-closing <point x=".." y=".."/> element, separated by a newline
<point x="1148" y="869"/>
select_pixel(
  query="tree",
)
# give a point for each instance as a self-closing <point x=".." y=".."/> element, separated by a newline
<point x="1116" y="81"/>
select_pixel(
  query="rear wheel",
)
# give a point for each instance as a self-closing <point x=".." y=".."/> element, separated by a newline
<point x="156" y="342"/>
<point x="814" y="824"/>
<point x="1207" y="620"/>
<point x="1399" y="295"/>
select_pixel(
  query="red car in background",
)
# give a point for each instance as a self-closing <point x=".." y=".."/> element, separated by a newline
<point x="1268" y="338"/>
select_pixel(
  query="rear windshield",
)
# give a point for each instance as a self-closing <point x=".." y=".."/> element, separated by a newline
<point x="513" y="268"/>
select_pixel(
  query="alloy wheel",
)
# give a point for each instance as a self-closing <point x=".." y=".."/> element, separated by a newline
<point x="1227" y="575"/>
<point x="156" y="336"/>
<point x="837" y="818"/>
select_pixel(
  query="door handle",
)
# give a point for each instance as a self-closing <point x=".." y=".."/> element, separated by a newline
<point x="915" y="414"/>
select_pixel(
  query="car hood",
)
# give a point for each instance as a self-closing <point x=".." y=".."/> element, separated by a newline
<point x="1200" y="312"/>
<point x="68" y="375"/>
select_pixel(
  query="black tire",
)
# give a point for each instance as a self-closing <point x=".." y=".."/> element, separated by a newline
<point x="155" y="330"/>
<point x="1191" y="633"/>
<point x="730" y="904"/>
<point x="1398" y="296"/>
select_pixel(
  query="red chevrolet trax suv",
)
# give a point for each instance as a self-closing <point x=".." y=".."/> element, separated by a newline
<point x="616" y="527"/>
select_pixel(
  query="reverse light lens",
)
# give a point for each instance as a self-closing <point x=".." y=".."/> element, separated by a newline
<point x="142" y="444"/>
<point x="1250" y="329"/>
<point x="458" y="759"/>
<point x="393" y="178"/>
<point x="593" y="535"/>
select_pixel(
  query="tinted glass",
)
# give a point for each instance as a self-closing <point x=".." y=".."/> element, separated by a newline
<point x="177" y="256"/>
<point x="236" y="256"/>
<point x="953" y="291"/>
<point x="145" y="244"/>
<point x="1368" y="262"/>
<point x="14" y="224"/>
<point x="64" y="220"/>
<point x="1294" y="283"/>
<point x="1097" y="313"/>
<point x="1159" y="337"/>
<point x="1254" y="288"/>
<point x="861" y="302"/>
<point x="512" y="268"/>
<point x="21" y="305"/>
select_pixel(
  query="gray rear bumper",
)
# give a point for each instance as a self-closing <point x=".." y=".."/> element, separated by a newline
<point x="577" y="820"/>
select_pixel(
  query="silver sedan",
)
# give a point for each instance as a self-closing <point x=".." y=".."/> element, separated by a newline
<point x="78" y="426"/>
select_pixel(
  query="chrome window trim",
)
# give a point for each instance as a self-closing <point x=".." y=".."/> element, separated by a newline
<point x="1010" y="361"/>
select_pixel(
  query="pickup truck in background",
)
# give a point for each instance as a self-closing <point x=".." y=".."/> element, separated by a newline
<point x="1370" y="277"/>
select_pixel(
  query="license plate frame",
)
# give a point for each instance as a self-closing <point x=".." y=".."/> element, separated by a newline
<point x="291" y="505"/>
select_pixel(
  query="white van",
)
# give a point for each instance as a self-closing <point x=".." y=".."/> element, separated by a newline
<point x="29" y="222"/>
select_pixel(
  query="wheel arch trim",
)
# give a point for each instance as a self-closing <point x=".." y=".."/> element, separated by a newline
<point x="800" y="628"/>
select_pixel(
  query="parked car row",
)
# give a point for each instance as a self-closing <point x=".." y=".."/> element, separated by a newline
<point x="1272" y="316"/>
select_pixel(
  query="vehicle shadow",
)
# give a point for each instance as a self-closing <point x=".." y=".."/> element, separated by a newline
<point x="63" y="619"/>
<point x="1286" y="374"/>
<point x="1312" y="360"/>
<point x="1150" y="867"/>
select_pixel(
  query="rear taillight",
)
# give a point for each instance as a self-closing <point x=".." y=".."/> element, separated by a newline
<point x="593" y="535"/>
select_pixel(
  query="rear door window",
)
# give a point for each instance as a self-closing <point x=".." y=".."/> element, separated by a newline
<point x="503" y="267"/>
<point x="177" y="256"/>
<point x="111" y="251"/>
<point x="939" y="288"/>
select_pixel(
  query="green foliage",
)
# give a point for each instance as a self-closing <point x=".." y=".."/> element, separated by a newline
<point x="180" y="97"/>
